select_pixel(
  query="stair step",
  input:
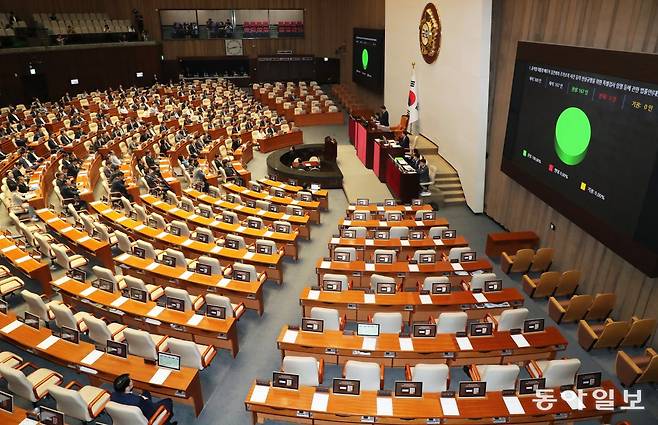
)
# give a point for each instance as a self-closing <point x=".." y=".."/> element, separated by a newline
<point x="452" y="194"/>
<point x="448" y="186"/>
<point x="455" y="201"/>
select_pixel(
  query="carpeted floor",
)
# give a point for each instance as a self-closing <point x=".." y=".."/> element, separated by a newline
<point x="226" y="382"/>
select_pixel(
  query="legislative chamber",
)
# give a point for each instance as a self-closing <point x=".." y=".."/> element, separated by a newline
<point x="328" y="213"/>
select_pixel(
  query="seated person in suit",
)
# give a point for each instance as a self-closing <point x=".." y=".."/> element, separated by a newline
<point x="123" y="394"/>
<point x="119" y="185"/>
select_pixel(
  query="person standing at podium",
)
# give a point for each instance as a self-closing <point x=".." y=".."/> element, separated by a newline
<point x="382" y="117"/>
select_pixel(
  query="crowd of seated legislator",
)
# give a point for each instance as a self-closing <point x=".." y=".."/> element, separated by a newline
<point x="126" y="142"/>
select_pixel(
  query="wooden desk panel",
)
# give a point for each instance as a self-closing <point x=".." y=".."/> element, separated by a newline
<point x="372" y="225"/>
<point x="221" y="333"/>
<point x="285" y="241"/>
<point x="365" y="248"/>
<point x="249" y="293"/>
<point x="271" y="264"/>
<point x="183" y="384"/>
<point x="281" y="141"/>
<point x="322" y="118"/>
<point x="336" y="347"/>
<point x="21" y="260"/>
<point x="78" y="240"/>
<point x="300" y="223"/>
<point x="281" y="404"/>
<point x="320" y="195"/>
<point x="407" y="274"/>
<point x="408" y="211"/>
<point x="312" y="209"/>
<point x="353" y="305"/>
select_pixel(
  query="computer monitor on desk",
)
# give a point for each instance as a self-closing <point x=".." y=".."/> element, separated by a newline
<point x="363" y="202"/>
<point x="312" y="325"/>
<point x="382" y="234"/>
<point x="467" y="256"/>
<point x="49" y="416"/>
<point x="386" y="288"/>
<point x="427" y="258"/>
<point x="168" y="360"/>
<point x="416" y="235"/>
<point x="588" y="380"/>
<point x="346" y="386"/>
<point x="533" y="325"/>
<point x="139" y="295"/>
<point x="342" y="257"/>
<point x="472" y="389"/>
<point x="531" y="386"/>
<point x="118" y="349"/>
<point x="367" y="329"/>
<point x="383" y="258"/>
<point x="204" y="269"/>
<point x="139" y="252"/>
<point x="288" y="381"/>
<point x="423" y="330"/>
<point x="70" y="335"/>
<point x="408" y="389"/>
<point x="6" y="402"/>
<point x="449" y="234"/>
<point x="390" y="202"/>
<point x="349" y="233"/>
<point x="215" y="311"/>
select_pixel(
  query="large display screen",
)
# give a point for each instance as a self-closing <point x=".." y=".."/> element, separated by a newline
<point x="368" y="58"/>
<point x="582" y="133"/>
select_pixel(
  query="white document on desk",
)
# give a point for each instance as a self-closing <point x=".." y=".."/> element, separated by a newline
<point x="369" y="298"/>
<point x="520" y="341"/>
<point x="223" y="282"/>
<point x="61" y="280"/>
<point x="161" y="235"/>
<point x="46" y="343"/>
<point x="419" y="223"/>
<point x="457" y="267"/>
<point x="413" y="268"/>
<point x="140" y="227"/>
<point x="449" y="406"/>
<point x="249" y="255"/>
<point x="28" y="421"/>
<point x="480" y="298"/>
<point x="83" y="239"/>
<point x="513" y="405"/>
<point x="370" y="242"/>
<point x="91" y="358"/>
<point x="160" y="376"/>
<point x="369" y="343"/>
<point x="11" y="327"/>
<point x="88" y="291"/>
<point x="123" y="257"/>
<point x="404" y="242"/>
<point x="438" y="242"/>
<point x="155" y="311"/>
<point x="406" y="344"/>
<point x="185" y="275"/>
<point x="313" y="294"/>
<point x="347" y="222"/>
<point x="370" y="267"/>
<point x="195" y="319"/>
<point x="382" y="224"/>
<point x="425" y="299"/>
<point x="325" y="265"/>
<point x="9" y="248"/>
<point x="22" y="259"/>
<point x="259" y="395"/>
<point x="290" y="336"/>
<point x="320" y="402"/>
<point x="334" y="241"/>
<point x="384" y="406"/>
<point x="119" y="301"/>
<point x="152" y="266"/>
<point x="187" y="242"/>
<point x="464" y="343"/>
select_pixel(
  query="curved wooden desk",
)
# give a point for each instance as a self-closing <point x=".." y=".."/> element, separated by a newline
<point x="271" y="264"/>
<point x="413" y="306"/>
<point x="299" y="223"/>
<point x="312" y="208"/>
<point x="294" y="405"/>
<point x="408" y="211"/>
<point x="372" y="225"/>
<point x="320" y="195"/>
<point x="407" y="274"/>
<point x="183" y="384"/>
<point x="285" y="241"/>
<point x="365" y="247"/>
<point x="221" y="333"/>
<point x="336" y="347"/>
<point x="22" y="260"/>
<point x="249" y="293"/>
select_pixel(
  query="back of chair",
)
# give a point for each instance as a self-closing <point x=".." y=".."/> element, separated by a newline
<point x="98" y="330"/>
<point x="359" y="231"/>
<point x="149" y="251"/>
<point x="215" y="266"/>
<point x="451" y="322"/>
<point x="351" y="252"/>
<point x="433" y="376"/>
<point x="122" y="414"/>
<point x="140" y="344"/>
<point x="123" y="241"/>
<point x="182" y="228"/>
<point x="221" y="301"/>
<point x="18" y="383"/>
<point x="436" y="231"/>
<point x="499" y="377"/>
<point x="542" y="260"/>
<point x="522" y="260"/>
<point x="601" y="307"/>
<point x="61" y="256"/>
<point x="388" y="252"/>
<point x="567" y="284"/>
<point x="561" y="372"/>
<point x="70" y="403"/>
<point x="454" y="255"/>
<point x="512" y="319"/>
<point x="420" y="252"/>
<point x="63" y="316"/>
<point x="239" y="239"/>
<point x="332" y="277"/>
<point x="362" y="214"/>
<point x="639" y="333"/>
<point x="613" y="333"/>
<point x="179" y="256"/>
<point x="305" y="367"/>
<point x="389" y="323"/>
<point x="430" y="280"/>
<point x="399" y="232"/>
<point x="35" y="305"/>
<point x="188" y="352"/>
<point x="548" y="281"/>
<point x="157" y="221"/>
<point x="577" y="308"/>
<point x="103" y="273"/>
<point x="378" y="278"/>
<point x="134" y="282"/>
<point x="250" y="269"/>
<point x="477" y="281"/>
<point x="366" y="372"/>
<point x="181" y="294"/>
<point x="329" y="316"/>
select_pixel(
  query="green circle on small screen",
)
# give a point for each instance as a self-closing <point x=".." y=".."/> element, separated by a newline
<point x="364" y="58"/>
<point x="572" y="135"/>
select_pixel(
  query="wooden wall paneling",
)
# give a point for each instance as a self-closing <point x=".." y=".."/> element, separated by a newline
<point x="612" y="24"/>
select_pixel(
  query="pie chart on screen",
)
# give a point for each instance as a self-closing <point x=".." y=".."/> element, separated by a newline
<point x="573" y="133"/>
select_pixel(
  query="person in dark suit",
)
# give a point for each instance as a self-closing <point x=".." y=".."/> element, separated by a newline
<point x="64" y="138"/>
<point x="423" y="175"/>
<point x="404" y="140"/>
<point x="150" y="162"/>
<point x="123" y="394"/>
<point x="119" y="185"/>
<point x="383" y="116"/>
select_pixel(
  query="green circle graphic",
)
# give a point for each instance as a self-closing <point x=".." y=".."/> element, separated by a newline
<point x="364" y="59"/>
<point x="572" y="135"/>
